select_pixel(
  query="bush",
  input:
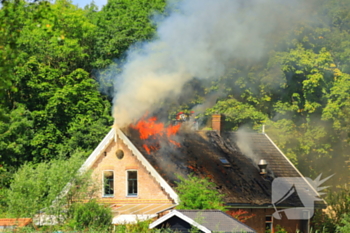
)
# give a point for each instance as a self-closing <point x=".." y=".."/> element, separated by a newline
<point x="90" y="215"/>
<point x="345" y="224"/>
<point x="338" y="206"/>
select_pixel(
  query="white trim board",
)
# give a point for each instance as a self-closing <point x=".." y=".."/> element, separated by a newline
<point x="291" y="164"/>
<point x="98" y="150"/>
<point x="181" y="216"/>
<point x="114" y="133"/>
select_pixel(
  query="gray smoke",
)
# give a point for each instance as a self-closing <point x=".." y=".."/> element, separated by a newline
<point x="198" y="39"/>
<point x="245" y="145"/>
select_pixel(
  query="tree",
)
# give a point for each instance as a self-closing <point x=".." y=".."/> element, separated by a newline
<point x="36" y="187"/>
<point x="58" y="191"/>
<point x="54" y="107"/>
<point x="122" y="23"/>
<point x="197" y="193"/>
<point x="12" y="15"/>
<point x="237" y="114"/>
<point x="335" y="216"/>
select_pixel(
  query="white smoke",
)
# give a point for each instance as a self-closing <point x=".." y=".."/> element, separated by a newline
<point x="245" y="145"/>
<point x="197" y="40"/>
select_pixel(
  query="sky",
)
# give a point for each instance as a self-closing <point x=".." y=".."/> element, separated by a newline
<point x="82" y="3"/>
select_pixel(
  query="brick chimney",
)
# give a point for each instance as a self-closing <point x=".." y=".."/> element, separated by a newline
<point x="217" y="122"/>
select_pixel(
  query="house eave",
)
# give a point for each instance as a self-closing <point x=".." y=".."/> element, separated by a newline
<point x="266" y="206"/>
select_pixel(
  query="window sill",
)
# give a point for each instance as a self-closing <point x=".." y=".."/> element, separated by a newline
<point x="107" y="196"/>
<point x="132" y="196"/>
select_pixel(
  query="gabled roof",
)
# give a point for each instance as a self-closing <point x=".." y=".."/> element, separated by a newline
<point x="223" y="160"/>
<point x="114" y="135"/>
<point x="228" y="160"/>
<point x="206" y="221"/>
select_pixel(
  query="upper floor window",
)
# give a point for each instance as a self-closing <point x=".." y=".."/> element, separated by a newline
<point x="132" y="183"/>
<point x="108" y="183"/>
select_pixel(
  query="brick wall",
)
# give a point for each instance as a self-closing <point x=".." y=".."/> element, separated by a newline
<point x="149" y="191"/>
<point x="258" y="222"/>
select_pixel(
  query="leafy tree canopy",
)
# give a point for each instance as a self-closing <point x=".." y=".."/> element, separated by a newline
<point x="198" y="193"/>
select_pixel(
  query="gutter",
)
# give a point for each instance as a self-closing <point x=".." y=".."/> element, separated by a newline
<point x="267" y="206"/>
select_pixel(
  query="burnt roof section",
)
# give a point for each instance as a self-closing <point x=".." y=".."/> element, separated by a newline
<point x="201" y="152"/>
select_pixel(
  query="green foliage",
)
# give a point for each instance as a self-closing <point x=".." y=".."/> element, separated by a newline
<point x="120" y="24"/>
<point x="339" y="202"/>
<point x="345" y="224"/>
<point x="90" y="215"/>
<point x="16" y="131"/>
<point x="12" y="16"/>
<point x="334" y="216"/>
<point x="53" y="106"/>
<point x="36" y="186"/>
<point x="5" y="181"/>
<point x="237" y="114"/>
<point x="198" y="193"/>
<point x="139" y="226"/>
<point x="279" y="229"/>
<point x="58" y="191"/>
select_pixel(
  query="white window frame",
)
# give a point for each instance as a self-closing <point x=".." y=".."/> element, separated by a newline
<point x="103" y="184"/>
<point x="127" y="183"/>
<point x="269" y="222"/>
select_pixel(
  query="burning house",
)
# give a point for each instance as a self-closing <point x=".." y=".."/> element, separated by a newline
<point x="137" y="168"/>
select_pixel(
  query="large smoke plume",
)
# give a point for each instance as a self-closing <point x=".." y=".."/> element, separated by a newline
<point x="197" y="40"/>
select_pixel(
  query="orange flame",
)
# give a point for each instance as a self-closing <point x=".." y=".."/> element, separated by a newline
<point x="149" y="129"/>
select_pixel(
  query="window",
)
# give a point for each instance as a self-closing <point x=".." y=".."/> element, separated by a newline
<point x="223" y="160"/>
<point x="268" y="223"/>
<point x="132" y="183"/>
<point x="108" y="183"/>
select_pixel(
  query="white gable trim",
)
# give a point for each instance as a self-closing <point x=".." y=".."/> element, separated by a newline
<point x="98" y="150"/>
<point x="291" y="164"/>
<point x="168" y="189"/>
<point x="114" y="133"/>
<point x="183" y="217"/>
<point x="90" y="160"/>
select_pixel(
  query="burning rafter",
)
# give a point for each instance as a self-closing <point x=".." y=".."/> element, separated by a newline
<point x="152" y="132"/>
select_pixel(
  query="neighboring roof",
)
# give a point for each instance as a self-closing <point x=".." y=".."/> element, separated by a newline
<point x="18" y="222"/>
<point x="206" y="221"/>
<point x="224" y="160"/>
